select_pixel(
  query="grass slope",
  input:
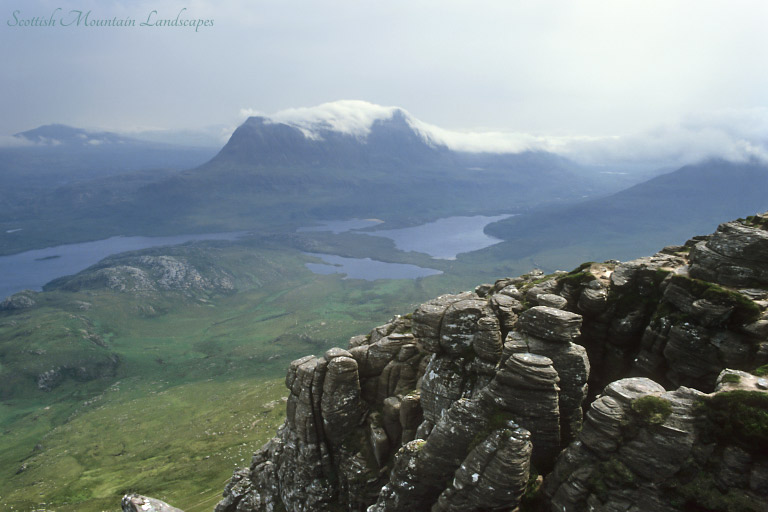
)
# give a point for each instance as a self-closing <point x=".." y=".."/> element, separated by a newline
<point x="200" y="380"/>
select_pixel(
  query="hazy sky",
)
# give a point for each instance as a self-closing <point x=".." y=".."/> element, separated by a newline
<point x="664" y="70"/>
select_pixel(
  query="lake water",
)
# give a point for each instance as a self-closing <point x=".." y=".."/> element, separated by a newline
<point x="32" y="269"/>
<point x="442" y="239"/>
<point x="366" y="268"/>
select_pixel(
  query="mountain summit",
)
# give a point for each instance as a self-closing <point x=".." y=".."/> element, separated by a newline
<point x="351" y="117"/>
<point x="344" y="133"/>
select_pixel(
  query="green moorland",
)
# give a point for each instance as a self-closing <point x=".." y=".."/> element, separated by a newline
<point x="199" y="384"/>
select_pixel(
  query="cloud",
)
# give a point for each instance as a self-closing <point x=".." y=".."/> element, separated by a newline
<point x="497" y="141"/>
<point x="353" y="117"/>
<point x="10" y="141"/>
<point x="736" y="135"/>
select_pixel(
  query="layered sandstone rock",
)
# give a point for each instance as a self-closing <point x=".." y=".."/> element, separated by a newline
<point x="644" y="448"/>
<point x="454" y="406"/>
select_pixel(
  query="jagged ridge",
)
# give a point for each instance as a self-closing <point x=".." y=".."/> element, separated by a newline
<point x="460" y="404"/>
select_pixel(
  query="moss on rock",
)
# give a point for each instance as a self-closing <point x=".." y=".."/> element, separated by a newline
<point x="652" y="410"/>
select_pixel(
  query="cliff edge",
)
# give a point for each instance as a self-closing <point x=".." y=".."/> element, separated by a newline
<point x="476" y="401"/>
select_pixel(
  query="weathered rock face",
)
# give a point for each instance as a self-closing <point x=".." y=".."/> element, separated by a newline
<point x="644" y="448"/>
<point x="734" y="255"/>
<point x="455" y="406"/>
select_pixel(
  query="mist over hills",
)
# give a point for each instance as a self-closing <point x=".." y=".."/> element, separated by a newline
<point x="57" y="134"/>
<point x="349" y="159"/>
<point x="663" y="210"/>
<point x="64" y="153"/>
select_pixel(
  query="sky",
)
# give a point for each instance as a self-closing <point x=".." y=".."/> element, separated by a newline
<point x="587" y="78"/>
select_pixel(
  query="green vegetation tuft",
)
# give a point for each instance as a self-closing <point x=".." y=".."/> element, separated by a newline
<point x="761" y="371"/>
<point x="652" y="410"/>
<point x="702" y="494"/>
<point x="524" y="287"/>
<point x="745" y="310"/>
<point x="576" y="278"/>
<point x="582" y="267"/>
<point x="611" y="474"/>
<point x="532" y="499"/>
<point x="730" y="378"/>
<point x="756" y="221"/>
<point x="739" y="417"/>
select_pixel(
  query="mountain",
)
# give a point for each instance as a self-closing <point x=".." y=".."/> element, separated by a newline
<point x="660" y="211"/>
<point x="262" y="142"/>
<point x="370" y="137"/>
<point x="339" y="160"/>
<point x="476" y="401"/>
<point x="60" y="134"/>
<point x="357" y="159"/>
<point x="57" y="153"/>
<point x="63" y="178"/>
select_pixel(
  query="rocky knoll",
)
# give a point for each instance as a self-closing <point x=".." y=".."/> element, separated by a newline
<point x="21" y="300"/>
<point x="463" y="403"/>
<point x="138" y="503"/>
<point x="175" y="269"/>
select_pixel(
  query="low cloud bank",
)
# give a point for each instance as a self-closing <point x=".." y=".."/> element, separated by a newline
<point x="736" y="135"/>
<point x="10" y="141"/>
<point x="732" y="135"/>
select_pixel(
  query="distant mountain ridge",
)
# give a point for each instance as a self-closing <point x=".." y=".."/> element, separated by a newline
<point x="352" y="159"/>
<point x="662" y="210"/>
<point x="56" y="134"/>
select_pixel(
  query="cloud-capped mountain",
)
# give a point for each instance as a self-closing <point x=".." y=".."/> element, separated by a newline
<point x="353" y="158"/>
<point x="370" y="141"/>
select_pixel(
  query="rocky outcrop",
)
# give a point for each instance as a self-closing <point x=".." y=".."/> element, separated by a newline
<point x="734" y="255"/>
<point x="21" y="300"/>
<point x="458" y="405"/>
<point x="81" y="371"/>
<point x="138" y="503"/>
<point x="644" y="448"/>
<point x="182" y="270"/>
